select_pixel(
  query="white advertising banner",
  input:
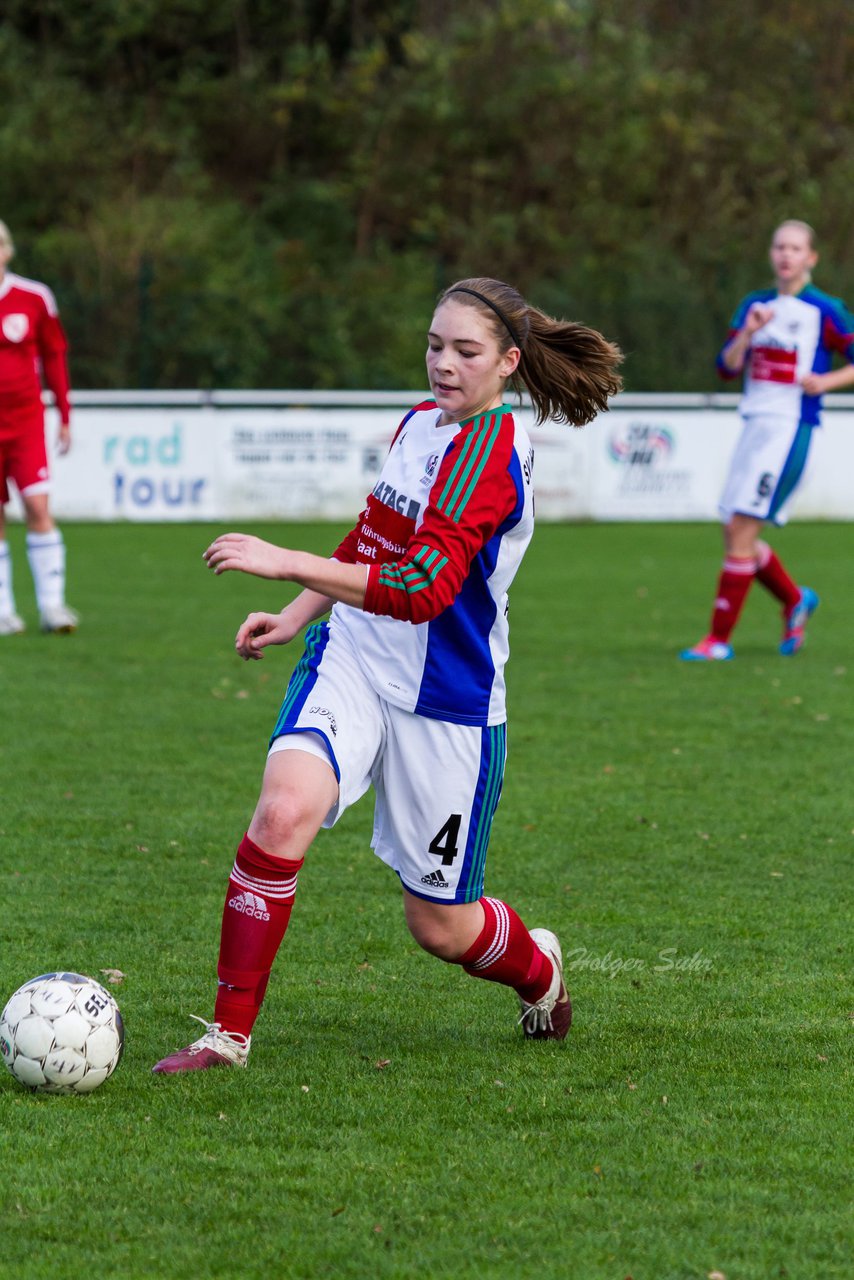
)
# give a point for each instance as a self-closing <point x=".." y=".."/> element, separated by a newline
<point x="301" y="463"/>
<point x="660" y="464"/>
<point x="289" y="456"/>
<point x="138" y="464"/>
<point x="205" y="463"/>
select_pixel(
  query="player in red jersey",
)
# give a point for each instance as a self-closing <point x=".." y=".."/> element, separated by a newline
<point x="403" y="688"/>
<point x="32" y="347"/>
<point x="783" y="340"/>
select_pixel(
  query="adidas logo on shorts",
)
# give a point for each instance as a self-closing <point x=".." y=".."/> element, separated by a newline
<point x="250" y="904"/>
<point x="435" y="880"/>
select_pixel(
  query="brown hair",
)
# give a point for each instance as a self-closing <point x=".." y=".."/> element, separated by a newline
<point x="569" y="369"/>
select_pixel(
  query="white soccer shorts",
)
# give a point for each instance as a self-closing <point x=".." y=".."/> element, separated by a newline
<point x="766" y="468"/>
<point x="437" y="784"/>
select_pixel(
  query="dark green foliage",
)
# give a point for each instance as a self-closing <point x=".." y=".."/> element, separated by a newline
<point x="264" y="194"/>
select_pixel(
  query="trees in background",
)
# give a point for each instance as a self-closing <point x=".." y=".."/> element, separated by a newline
<point x="246" y="193"/>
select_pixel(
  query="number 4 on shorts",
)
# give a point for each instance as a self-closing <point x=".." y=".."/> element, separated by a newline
<point x="444" y="842"/>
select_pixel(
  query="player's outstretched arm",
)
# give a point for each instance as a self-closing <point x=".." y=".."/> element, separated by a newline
<point x="244" y="553"/>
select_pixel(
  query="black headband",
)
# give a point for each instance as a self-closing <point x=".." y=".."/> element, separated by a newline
<point x="501" y="316"/>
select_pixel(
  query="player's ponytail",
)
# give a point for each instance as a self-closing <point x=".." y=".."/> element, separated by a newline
<point x="571" y="371"/>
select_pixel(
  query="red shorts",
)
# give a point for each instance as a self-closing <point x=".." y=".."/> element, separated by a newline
<point x="23" y="455"/>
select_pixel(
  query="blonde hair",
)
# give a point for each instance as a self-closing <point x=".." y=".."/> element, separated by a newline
<point x="802" y="226"/>
<point x="569" y="369"/>
<point x="6" y="238"/>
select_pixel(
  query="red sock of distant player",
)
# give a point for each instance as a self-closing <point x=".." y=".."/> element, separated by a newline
<point x="257" y="909"/>
<point x="505" y="952"/>
<point x="774" y="578"/>
<point x="733" y="585"/>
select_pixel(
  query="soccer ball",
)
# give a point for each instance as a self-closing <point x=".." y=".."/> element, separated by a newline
<point x="61" y="1033"/>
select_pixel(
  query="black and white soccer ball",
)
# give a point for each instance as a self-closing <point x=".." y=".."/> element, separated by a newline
<point x="61" y="1033"/>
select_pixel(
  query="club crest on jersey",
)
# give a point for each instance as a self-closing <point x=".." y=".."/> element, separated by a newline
<point x="400" y="502"/>
<point x="430" y="470"/>
<point x="15" y="327"/>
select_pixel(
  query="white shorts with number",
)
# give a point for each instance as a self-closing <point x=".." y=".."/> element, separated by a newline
<point x="766" y="467"/>
<point x="437" y="784"/>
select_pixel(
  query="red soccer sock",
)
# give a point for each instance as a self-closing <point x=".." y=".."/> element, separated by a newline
<point x="257" y="909"/>
<point x="733" y="585"/>
<point x="774" y="578"/>
<point x="505" y="952"/>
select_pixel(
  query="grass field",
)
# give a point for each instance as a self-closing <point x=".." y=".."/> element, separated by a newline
<point x="686" y="830"/>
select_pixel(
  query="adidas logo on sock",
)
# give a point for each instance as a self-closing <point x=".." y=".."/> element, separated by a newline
<point x="435" y="880"/>
<point x="250" y="904"/>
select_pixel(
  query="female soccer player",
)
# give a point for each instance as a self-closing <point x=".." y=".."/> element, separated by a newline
<point x="403" y="687"/>
<point x="783" y="339"/>
<point x="31" y="338"/>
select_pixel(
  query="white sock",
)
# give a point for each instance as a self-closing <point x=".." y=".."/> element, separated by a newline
<point x="7" y="599"/>
<point x="46" y="554"/>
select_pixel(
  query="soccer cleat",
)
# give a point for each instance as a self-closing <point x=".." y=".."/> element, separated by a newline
<point x="795" y="622"/>
<point x="59" y="619"/>
<point x="216" y="1048"/>
<point x="708" y="650"/>
<point x="11" y="625"/>
<point x="551" y="1016"/>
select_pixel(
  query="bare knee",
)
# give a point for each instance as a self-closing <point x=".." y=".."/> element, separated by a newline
<point x="282" y="820"/>
<point x="298" y="791"/>
<point x="37" y="513"/>
<point x="445" y="930"/>
<point x="436" y="938"/>
<point x="741" y="535"/>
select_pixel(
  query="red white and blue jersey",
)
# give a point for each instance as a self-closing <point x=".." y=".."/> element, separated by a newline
<point x="443" y="533"/>
<point x="802" y="336"/>
<point x="32" y="346"/>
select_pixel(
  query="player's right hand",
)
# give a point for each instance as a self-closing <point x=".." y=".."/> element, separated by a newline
<point x="758" y="316"/>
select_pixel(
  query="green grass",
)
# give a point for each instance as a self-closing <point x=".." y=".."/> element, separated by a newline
<point x="687" y="830"/>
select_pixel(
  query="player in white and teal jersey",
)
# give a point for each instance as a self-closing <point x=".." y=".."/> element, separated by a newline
<point x="403" y="687"/>
<point x="784" y="341"/>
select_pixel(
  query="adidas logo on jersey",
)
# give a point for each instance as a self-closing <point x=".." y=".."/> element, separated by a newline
<point x="250" y="904"/>
<point x="435" y="880"/>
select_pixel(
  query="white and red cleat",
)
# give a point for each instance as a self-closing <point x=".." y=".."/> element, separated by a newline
<point x="550" y="1017"/>
<point x="216" y="1048"/>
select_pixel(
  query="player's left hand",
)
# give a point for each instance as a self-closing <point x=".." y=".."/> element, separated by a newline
<point x="245" y="554"/>
<point x="814" y="384"/>
<point x="63" y="440"/>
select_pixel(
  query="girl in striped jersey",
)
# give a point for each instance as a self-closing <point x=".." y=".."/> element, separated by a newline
<point x="403" y="687"/>
<point x="783" y="340"/>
